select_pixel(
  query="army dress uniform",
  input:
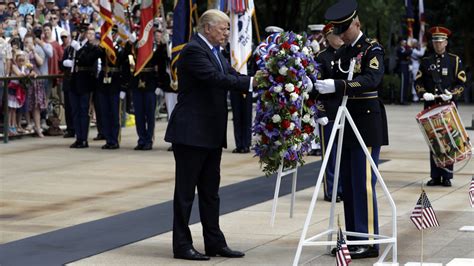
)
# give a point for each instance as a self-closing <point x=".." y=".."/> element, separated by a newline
<point x="144" y="101"/>
<point x="329" y="106"/>
<point x="83" y="80"/>
<point x="438" y="73"/>
<point x="113" y="78"/>
<point x="368" y="113"/>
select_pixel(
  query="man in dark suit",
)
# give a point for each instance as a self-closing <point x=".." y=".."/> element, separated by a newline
<point x="368" y="113"/>
<point x="197" y="130"/>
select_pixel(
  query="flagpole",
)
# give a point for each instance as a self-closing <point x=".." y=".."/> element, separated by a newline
<point x="422" y="229"/>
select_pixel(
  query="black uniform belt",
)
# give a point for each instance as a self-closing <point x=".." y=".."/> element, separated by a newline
<point x="85" y="69"/>
<point x="365" y="95"/>
<point x="112" y="69"/>
<point x="148" y="69"/>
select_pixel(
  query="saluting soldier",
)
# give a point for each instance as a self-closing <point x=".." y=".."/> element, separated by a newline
<point x="113" y="79"/>
<point x="329" y="105"/>
<point x="83" y="78"/>
<point x="368" y="113"/>
<point x="440" y="78"/>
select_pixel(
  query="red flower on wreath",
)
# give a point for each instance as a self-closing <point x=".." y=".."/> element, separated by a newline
<point x="285" y="124"/>
<point x="297" y="132"/>
<point x="286" y="46"/>
<point x="269" y="126"/>
<point x="293" y="109"/>
<point x="310" y="102"/>
<point x="304" y="63"/>
<point x="265" y="139"/>
<point x="280" y="79"/>
<point x="308" y="129"/>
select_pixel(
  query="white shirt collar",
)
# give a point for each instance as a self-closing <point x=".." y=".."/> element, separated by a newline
<point x="357" y="39"/>
<point x="206" y="41"/>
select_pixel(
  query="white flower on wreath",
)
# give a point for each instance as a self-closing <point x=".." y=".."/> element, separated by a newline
<point x="292" y="126"/>
<point x="306" y="118"/>
<point x="305" y="50"/>
<point x="294" y="147"/>
<point x="294" y="96"/>
<point x="305" y="95"/>
<point x="289" y="87"/>
<point x="294" y="48"/>
<point x="294" y="115"/>
<point x="277" y="143"/>
<point x="281" y="52"/>
<point x="276" y="118"/>
<point x="298" y="61"/>
<point x="299" y="37"/>
<point x="305" y="136"/>
<point x="283" y="70"/>
<point x="277" y="89"/>
<point x="299" y="84"/>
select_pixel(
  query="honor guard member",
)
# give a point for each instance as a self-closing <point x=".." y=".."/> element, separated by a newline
<point x="66" y="66"/>
<point x="404" y="53"/>
<point x="368" y="113"/>
<point x="84" y="69"/>
<point x="113" y="79"/>
<point x="316" y="37"/>
<point x="329" y="105"/>
<point x="144" y="100"/>
<point x="441" y="78"/>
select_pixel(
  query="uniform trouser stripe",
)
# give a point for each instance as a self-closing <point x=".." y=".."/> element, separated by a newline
<point x="370" y="202"/>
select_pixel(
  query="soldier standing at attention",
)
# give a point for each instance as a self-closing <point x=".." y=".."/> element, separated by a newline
<point x="330" y="104"/>
<point x="368" y="113"/>
<point x="440" y="74"/>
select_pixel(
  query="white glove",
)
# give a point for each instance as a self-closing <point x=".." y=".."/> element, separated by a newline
<point x="133" y="37"/>
<point x="67" y="63"/>
<point x="428" y="96"/>
<point x="309" y="84"/>
<point x="322" y="121"/>
<point x="158" y="91"/>
<point x="325" y="86"/>
<point x="315" y="46"/>
<point x="122" y="95"/>
<point x="75" y="45"/>
<point x="446" y="96"/>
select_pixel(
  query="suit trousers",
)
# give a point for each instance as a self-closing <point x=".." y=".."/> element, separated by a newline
<point x="80" y="113"/>
<point x="197" y="167"/>
<point x="358" y="187"/>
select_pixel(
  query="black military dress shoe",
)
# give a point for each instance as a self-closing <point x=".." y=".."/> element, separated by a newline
<point x="236" y="150"/>
<point x="446" y="183"/>
<point x="190" y="254"/>
<point x="139" y="147"/>
<point x="111" y="146"/>
<point x="170" y="148"/>
<point x="225" y="252"/>
<point x="363" y="251"/>
<point x="74" y="145"/>
<point x="99" y="137"/>
<point x="434" y="182"/>
<point x="328" y="199"/>
<point x="147" y="147"/>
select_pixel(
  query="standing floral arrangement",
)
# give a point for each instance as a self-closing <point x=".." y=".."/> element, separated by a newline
<point x="284" y="123"/>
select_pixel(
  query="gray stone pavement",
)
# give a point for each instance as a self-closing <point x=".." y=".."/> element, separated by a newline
<point x="45" y="186"/>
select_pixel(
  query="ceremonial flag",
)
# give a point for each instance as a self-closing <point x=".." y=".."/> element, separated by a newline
<point x="149" y="9"/>
<point x="182" y="30"/>
<point x="106" y="29"/>
<point x="423" y="215"/>
<point x="120" y="20"/>
<point x="343" y="257"/>
<point x="421" y="18"/>
<point x="241" y="37"/>
<point x="471" y="193"/>
<point x="410" y="18"/>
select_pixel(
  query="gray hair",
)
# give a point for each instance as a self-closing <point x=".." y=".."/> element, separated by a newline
<point x="211" y="17"/>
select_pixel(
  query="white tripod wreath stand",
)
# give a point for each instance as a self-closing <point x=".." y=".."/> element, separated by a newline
<point x="339" y="122"/>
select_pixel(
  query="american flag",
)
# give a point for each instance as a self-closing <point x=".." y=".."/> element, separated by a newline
<point x="343" y="257"/>
<point x="471" y="192"/>
<point x="423" y="215"/>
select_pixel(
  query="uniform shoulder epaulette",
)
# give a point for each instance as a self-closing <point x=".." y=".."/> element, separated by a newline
<point x="374" y="45"/>
<point x="371" y="41"/>
<point x="453" y="55"/>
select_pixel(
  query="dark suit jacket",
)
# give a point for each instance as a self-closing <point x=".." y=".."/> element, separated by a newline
<point x="200" y="116"/>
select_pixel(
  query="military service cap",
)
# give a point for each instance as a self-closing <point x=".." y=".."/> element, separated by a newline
<point x="273" y="29"/>
<point x="341" y="15"/>
<point x="328" y="29"/>
<point x="439" y="34"/>
<point x="315" y="27"/>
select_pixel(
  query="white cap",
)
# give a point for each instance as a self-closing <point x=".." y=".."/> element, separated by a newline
<point x="316" y="27"/>
<point x="273" y="29"/>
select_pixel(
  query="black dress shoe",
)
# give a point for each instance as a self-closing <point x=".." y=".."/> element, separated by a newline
<point x="68" y="135"/>
<point x="139" y="147"/>
<point x="170" y="148"/>
<point x="316" y="152"/>
<point x="434" y="182"/>
<point x="110" y="146"/>
<point x="74" y="145"/>
<point x="147" y="147"/>
<point x="329" y="199"/>
<point x="99" y="137"/>
<point x="82" y="144"/>
<point x="225" y="252"/>
<point x="363" y="251"/>
<point x="190" y="254"/>
<point x="446" y="183"/>
<point x="245" y="150"/>
<point x="236" y="150"/>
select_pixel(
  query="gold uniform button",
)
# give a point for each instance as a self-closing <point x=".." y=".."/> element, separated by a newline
<point x="368" y="111"/>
